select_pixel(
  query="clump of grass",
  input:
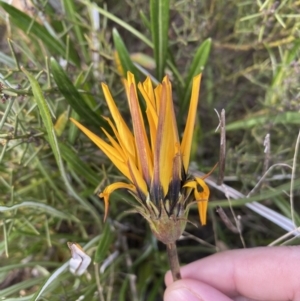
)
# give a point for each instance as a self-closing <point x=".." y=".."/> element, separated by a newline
<point x="49" y="172"/>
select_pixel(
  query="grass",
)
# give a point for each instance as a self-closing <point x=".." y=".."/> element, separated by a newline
<point x="50" y="172"/>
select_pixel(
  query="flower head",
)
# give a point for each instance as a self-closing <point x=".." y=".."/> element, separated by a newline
<point x="153" y="158"/>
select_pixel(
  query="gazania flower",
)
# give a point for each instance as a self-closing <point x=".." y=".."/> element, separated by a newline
<point x="153" y="158"/>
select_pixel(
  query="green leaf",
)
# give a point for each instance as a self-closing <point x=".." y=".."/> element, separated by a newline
<point x="159" y="12"/>
<point x="26" y="23"/>
<point x="45" y="113"/>
<point x="104" y="243"/>
<point x="124" y="57"/>
<point x="73" y="97"/>
<point x="196" y="67"/>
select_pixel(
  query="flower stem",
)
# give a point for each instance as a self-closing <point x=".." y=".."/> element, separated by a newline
<point x="173" y="259"/>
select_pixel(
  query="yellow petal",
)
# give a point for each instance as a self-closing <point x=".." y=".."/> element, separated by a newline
<point x="150" y="111"/>
<point x="116" y="146"/>
<point x="121" y="141"/>
<point x="108" y="150"/>
<point x="147" y="86"/>
<point x="157" y="93"/>
<point x="204" y="195"/>
<point x="190" y="123"/>
<point x="122" y="128"/>
<point x="109" y="190"/>
<point x="200" y="196"/>
<point x="137" y="180"/>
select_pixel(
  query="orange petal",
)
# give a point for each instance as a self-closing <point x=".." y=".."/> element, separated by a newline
<point x="109" y="190"/>
<point x="190" y="123"/>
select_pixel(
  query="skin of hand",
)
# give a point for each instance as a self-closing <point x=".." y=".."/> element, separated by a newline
<point x="264" y="274"/>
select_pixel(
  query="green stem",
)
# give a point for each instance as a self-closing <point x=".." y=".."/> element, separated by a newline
<point x="173" y="260"/>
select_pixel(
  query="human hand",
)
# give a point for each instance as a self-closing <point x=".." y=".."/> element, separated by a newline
<point x="265" y="273"/>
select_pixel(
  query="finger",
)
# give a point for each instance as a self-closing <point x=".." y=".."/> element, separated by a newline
<point x="192" y="290"/>
<point x="268" y="273"/>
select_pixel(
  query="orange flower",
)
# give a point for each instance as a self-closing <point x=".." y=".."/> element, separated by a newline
<point x="156" y="164"/>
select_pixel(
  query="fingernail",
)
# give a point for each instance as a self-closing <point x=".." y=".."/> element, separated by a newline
<point x="182" y="294"/>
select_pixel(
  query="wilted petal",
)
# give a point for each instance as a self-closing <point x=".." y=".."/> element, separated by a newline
<point x="141" y="139"/>
<point x="105" y="194"/>
<point x="79" y="261"/>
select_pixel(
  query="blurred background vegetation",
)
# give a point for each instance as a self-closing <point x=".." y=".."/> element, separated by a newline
<point x="50" y="172"/>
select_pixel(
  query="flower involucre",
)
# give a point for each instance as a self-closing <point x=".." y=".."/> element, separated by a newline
<point x="156" y="163"/>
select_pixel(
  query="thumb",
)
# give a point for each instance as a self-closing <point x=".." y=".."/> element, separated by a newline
<point x="192" y="290"/>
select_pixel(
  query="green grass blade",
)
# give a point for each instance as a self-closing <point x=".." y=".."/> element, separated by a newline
<point x="78" y="166"/>
<point x="6" y="60"/>
<point x="24" y="22"/>
<point x="283" y="118"/>
<point x="196" y="67"/>
<point x="119" y="21"/>
<point x="134" y="32"/>
<point x="46" y="117"/>
<point x="70" y="10"/>
<point x="35" y="205"/>
<point x="50" y="280"/>
<point x="263" y="195"/>
<point x="73" y="97"/>
<point x="289" y="56"/>
<point x="159" y="11"/>
<point x="104" y="243"/>
<point x="125" y="60"/>
<point x="16" y="288"/>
